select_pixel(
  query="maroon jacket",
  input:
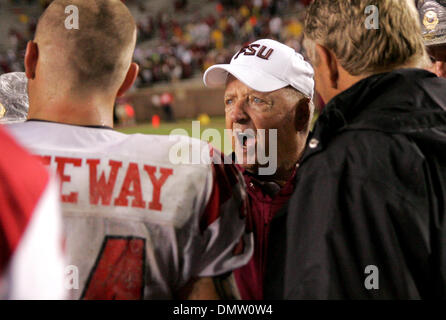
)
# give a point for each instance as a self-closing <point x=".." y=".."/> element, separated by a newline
<point x="266" y="199"/>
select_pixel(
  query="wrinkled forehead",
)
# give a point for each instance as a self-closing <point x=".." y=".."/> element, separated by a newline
<point x="234" y="85"/>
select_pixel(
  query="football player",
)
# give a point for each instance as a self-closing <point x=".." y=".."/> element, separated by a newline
<point x="139" y="224"/>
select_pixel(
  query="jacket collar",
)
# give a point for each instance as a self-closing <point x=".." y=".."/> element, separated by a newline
<point x="269" y="188"/>
<point x="401" y="101"/>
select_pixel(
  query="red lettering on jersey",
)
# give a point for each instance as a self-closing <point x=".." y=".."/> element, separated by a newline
<point x="45" y="160"/>
<point x="155" y="204"/>
<point x="61" y="162"/>
<point x="131" y="178"/>
<point x="102" y="189"/>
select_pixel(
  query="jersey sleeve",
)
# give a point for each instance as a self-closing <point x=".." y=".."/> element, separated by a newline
<point x="227" y="243"/>
<point x="36" y="270"/>
<point x="31" y="254"/>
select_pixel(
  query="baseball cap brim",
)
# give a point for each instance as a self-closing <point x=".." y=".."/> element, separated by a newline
<point x="258" y="80"/>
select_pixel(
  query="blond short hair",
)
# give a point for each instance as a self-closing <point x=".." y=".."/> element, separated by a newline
<point x="98" y="50"/>
<point x="340" y="27"/>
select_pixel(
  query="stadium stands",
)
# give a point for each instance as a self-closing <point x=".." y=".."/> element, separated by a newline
<point x="175" y="41"/>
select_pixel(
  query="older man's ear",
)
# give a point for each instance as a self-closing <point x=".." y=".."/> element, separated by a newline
<point x="303" y="114"/>
<point x="440" y="68"/>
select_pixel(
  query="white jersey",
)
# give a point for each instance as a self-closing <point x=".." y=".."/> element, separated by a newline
<point x="31" y="253"/>
<point x="137" y="225"/>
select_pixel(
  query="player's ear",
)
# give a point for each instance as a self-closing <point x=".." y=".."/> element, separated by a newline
<point x="130" y="78"/>
<point x="31" y="57"/>
<point x="328" y="58"/>
<point x="303" y="114"/>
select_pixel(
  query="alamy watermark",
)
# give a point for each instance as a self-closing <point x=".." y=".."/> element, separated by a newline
<point x="71" y="281"/>
<point x="72" y="21"/>
<point x="251" y="147"/>
<point x="372" y="20"/>
<point x="371" y="281"/>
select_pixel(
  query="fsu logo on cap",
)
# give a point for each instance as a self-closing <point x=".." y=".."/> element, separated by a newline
<point x="2" y="110"/>
<point x="253" y="50"/>
<point x="430" y="20"/>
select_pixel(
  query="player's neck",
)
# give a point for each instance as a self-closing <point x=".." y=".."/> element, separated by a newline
<point x="93" y="111"/>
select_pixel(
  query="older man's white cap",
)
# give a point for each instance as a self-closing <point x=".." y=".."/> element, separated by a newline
<point x="13" y="97"/>
<point x="265" y="65"/>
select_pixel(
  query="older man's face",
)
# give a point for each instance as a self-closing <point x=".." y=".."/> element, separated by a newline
<point x="246" y="108"/>
<point x="438" y="54"/>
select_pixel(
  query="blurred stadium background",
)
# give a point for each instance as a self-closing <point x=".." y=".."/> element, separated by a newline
<point x="177" y="41"/>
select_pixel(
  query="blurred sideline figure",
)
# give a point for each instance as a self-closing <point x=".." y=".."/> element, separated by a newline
<point x="265" y="91"/>
<point x="166" y="101"/>
<point x="433" y="20"/>
<point x="139" y="224"/>
<point x="31" y="256"/>
<point x="367" y="217"/>
<point x="125" y="113"/>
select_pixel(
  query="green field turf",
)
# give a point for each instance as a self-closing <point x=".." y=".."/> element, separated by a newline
<point x="186" y="124"/>
<point x="217" y="123"/>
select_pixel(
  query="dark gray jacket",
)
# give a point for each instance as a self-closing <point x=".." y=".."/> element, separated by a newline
<point x="371" y="191"/>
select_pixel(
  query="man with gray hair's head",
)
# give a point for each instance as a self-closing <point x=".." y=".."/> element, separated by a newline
<point x="366" y="220"/>
<point x="268" y="93"/>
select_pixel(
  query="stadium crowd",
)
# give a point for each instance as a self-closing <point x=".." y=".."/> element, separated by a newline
<point x="173" y="47"/>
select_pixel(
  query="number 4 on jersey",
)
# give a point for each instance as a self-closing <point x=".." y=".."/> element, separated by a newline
<point x="118" y="273"/>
